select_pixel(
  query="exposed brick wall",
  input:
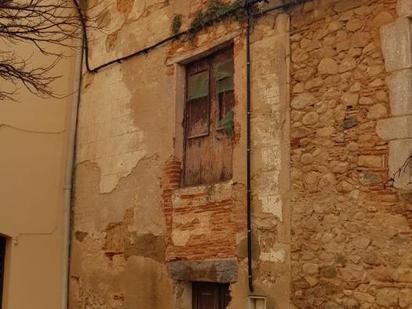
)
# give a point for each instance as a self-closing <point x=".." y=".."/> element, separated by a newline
<point x="170" y="182"/>
<point x="350" y="231"/>
<point x="217" y="242"/>
<point x="204" y="216"/>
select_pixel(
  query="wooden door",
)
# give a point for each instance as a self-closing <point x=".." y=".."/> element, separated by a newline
<point x="210" y="295"/>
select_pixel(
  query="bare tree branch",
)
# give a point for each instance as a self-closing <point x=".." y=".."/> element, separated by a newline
<point x="36" y="80"/>
<point x="45" y="25"/>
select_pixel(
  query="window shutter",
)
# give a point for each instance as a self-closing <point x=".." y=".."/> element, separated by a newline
<point x="209" y="119"/>
<point x="197" y="107"/>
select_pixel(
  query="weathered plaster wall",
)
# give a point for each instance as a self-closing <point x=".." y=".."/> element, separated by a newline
<point x="118" y="235"/>
<point x="131" y="216"/>
<point x="351" y="232"/>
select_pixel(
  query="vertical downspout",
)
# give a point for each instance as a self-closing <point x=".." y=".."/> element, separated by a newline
<point x="68" y="188"/>
<point x="248" y="153"/>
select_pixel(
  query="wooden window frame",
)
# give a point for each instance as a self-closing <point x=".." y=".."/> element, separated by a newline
<point x="215" y="126"/>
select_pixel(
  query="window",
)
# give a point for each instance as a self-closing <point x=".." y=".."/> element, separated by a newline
<point x="210" y="295"/>
<point x="2" y="258"/>
<point x="209" y="119"/>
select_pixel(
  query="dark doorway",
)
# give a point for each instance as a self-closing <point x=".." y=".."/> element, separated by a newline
<point x="210" y="295"/>
<point x="2" y="258"/>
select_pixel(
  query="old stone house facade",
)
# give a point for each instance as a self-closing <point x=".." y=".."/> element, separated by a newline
<point x="180" y="134"/>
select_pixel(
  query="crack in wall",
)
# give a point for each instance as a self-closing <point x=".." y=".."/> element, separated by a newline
<point x="3" y="125"/>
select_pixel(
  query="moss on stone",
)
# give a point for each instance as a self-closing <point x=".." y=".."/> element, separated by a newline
<point x="215" y="12"/>
<point x="176" y="24"/>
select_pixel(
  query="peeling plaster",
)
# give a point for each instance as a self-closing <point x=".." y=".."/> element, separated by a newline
<point x="271" y="157"/>
<point x="272" y="203"/>
<point x="124" y="21"/>
<point x="269" y="85"/>
<point x="267" y="137"/>
<point x="108" y="135"/>
<point x="276" y="256"/>
<point x="137" y="10"/>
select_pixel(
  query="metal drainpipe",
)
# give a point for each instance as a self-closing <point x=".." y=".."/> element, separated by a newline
<point x="248" y="153"/>
<point x="68" y="188"/>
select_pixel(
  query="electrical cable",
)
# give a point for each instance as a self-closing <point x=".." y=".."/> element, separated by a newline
<point x="145" y="50"/>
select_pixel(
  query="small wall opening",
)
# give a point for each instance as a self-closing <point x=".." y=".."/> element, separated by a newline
<point x="208" y="295"/>
<point x="257" y="302"/>
<point x="2" y="260"/>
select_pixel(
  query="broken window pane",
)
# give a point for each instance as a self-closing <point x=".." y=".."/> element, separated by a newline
<point x="226" y="102"/>
<point x="198" y="85"/>
<point x="224" y="70"/>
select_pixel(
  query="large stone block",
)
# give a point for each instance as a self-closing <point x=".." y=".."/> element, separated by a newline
<point x="399" y="169"/>
<point x="400" y="87"/>
<point x="395" y="128"/>
<point x="217" y="270"/>
<point x="397" y="44"/>
<point x="404" y="8"/>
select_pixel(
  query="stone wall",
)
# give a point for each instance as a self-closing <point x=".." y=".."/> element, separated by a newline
<point x="351" y="231"/>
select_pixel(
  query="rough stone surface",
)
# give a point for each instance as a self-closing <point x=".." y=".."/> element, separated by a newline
<point x="310" y="118"/>
<point x="350" y="123"/>
<point x="224" y="270"/>
<point x="377" y="111"/>
<point x="372" y="161"/>
<point x="397" y="45"/>
<point x="405" y="298"/>
<point x="328" y="66"/>
<point x="387" y="297"/>
<point x="350" y="99"/>
<point x="345" y="206"/>
<point x="369" y="178"/>
<point x="301" y="101"/>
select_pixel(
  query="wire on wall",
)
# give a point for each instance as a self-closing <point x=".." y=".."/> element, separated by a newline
<point x="247" y="9"/>
<point x="83" y="23"/>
